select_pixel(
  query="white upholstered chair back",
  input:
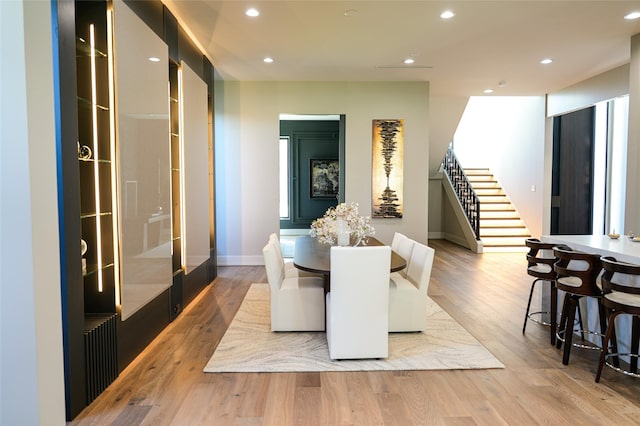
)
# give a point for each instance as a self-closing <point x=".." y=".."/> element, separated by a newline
<point x="273" y="266"/>
<point x="403" y="245"/>
<point x="297" y="303"/>
<point x="408" y="296"/>
<point x="358" y="303"/>
<point x="419" y="269"/>
<point x="289" y="269"/>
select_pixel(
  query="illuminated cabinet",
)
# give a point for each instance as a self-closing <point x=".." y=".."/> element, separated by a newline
<point x="95" y="152"/>
<point x="98" y="221"/>
<point x="127" y="201"/>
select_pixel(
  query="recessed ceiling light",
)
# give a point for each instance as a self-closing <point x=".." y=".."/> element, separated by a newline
<point x="252" y="12"/>
<point x="502" y="83"/>
<point x="546" y="61"/>
<point x="350" y="12"/>
<point x="268" y="60"/>
<point x="447" y="14"/>
<point x="632" y="15"/>
<point x="154" y="59"/>
<point x="488" y="91"/>
<point x="409" y="61"/>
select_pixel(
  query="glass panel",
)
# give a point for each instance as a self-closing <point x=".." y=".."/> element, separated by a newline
<point x="599" y="168"/>
<point x="195" y="169"/>
<point x="618" y="168"/>
<point x="143" y="158"/>
<point x="284" y="178"/>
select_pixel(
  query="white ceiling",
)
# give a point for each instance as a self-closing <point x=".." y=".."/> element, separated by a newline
<point x="486" y="43"/>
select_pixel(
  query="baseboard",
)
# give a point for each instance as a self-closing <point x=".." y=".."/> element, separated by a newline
<point x="240" y="260"/>
<point x="435" y="235"/>
<point x="296" y="232"/>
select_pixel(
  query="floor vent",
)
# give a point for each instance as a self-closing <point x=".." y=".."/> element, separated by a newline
<point x="100" y="352"/>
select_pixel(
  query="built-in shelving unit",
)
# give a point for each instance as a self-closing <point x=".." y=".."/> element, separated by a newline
<point x="99" y="339"/>
<point x="97" y="219"/>
<point x="176" y="211"/>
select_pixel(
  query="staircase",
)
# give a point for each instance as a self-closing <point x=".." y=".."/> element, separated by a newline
<point x="501" y="228"/>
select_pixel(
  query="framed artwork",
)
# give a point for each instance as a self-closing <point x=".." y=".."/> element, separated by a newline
<point x="387" y="168"/>
<point x="325" y="178"/>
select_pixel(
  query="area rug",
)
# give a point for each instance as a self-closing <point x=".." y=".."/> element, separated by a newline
<point x="249" y="345"/>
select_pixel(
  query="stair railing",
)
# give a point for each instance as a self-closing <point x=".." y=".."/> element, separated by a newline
<point x="466" y="195"/>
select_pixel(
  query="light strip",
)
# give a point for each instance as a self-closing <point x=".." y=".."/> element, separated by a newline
<point x="112" y="149"/>
<point x="183" y="227"/>
<point x="96" y="170"/>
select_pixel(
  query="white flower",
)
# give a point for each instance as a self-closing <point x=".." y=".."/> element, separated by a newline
<point x="326" y="227"/>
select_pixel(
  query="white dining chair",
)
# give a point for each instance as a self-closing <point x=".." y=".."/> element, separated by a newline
<point x="402" y="245"/>
<point x="297" y="303"/>
<point x="358" y="302"/>
<point x="290" y="269"/>
<point x="408" y="296"/>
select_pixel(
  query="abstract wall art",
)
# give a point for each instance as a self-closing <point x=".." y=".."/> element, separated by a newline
<point x="387" y="168"/>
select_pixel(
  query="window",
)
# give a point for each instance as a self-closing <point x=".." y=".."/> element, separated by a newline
<point x="284" y="178"/>
<point x="610" y="162"/>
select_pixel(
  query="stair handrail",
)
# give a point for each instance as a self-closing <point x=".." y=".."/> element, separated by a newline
<point x="464" y="190"/>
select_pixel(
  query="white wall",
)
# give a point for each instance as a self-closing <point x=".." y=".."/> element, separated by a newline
<point x="632" y="202"/>
<point x="507" y="134"/>
<point x="589" y="92"/>
<point x="31" y="361"/>
<point x="445" y="113"/>
<point x="247" y="134"/>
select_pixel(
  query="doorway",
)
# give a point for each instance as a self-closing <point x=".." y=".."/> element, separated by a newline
<point x="311" y="171"/>
<point x="572" y="173"/>
<point x="589" y="169"/>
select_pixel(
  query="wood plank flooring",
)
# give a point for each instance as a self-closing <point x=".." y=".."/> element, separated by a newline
<point x="486" y="293"/>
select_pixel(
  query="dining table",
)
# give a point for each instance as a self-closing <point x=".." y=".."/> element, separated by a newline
<point x="311" y="255"/>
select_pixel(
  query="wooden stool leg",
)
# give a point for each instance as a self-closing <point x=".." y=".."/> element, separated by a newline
<point x="568" y="331"/>
<point x="603" y="356"/>
<point x="563" y="320"/>
<point x="580" y="324"/>
<point x="602" y="314"/>
<point x="553" y="314"/>
<point x="526" y="314"/>
<point x="635" y="343"/>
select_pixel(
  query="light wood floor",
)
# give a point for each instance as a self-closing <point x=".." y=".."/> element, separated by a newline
<point x="485" y="293"/>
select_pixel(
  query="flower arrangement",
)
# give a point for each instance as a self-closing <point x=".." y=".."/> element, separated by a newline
<point x="326" y="227"/>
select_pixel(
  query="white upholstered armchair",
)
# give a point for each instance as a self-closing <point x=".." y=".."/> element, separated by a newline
<point x="408" y="295"/>
<point x="297" y="303"/>
<point x="358" y="302"/>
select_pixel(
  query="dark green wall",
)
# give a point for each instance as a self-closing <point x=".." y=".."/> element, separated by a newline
<point x="317" y="140"/>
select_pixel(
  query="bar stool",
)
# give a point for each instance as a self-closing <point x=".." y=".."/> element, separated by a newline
<point x="577" y="277"/>
<point x="621" y="296"/>
<point x="540" y="260"/>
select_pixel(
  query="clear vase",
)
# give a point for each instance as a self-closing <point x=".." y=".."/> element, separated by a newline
<point x="343" y="233"/>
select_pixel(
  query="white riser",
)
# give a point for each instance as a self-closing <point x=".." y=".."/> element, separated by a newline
<point x="501" y="229"/>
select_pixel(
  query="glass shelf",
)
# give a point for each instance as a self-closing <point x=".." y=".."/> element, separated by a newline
<point x="83" y="49"/>
<point x="93" y="268"/>
<point x="93" y="160"/>
<point x="92" y="215"/>
<point x="87" y="103"/>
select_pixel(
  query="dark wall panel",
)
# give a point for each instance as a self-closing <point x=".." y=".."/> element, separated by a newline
<point x="69" y="206"/>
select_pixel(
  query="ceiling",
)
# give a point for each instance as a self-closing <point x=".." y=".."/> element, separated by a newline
<point x="486" y="45"/>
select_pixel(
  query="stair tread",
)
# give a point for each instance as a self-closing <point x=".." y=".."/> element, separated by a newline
<point x="501" y="227"/>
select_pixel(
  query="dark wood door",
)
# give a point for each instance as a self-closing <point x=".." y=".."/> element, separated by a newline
<point x="572" y="174"/>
